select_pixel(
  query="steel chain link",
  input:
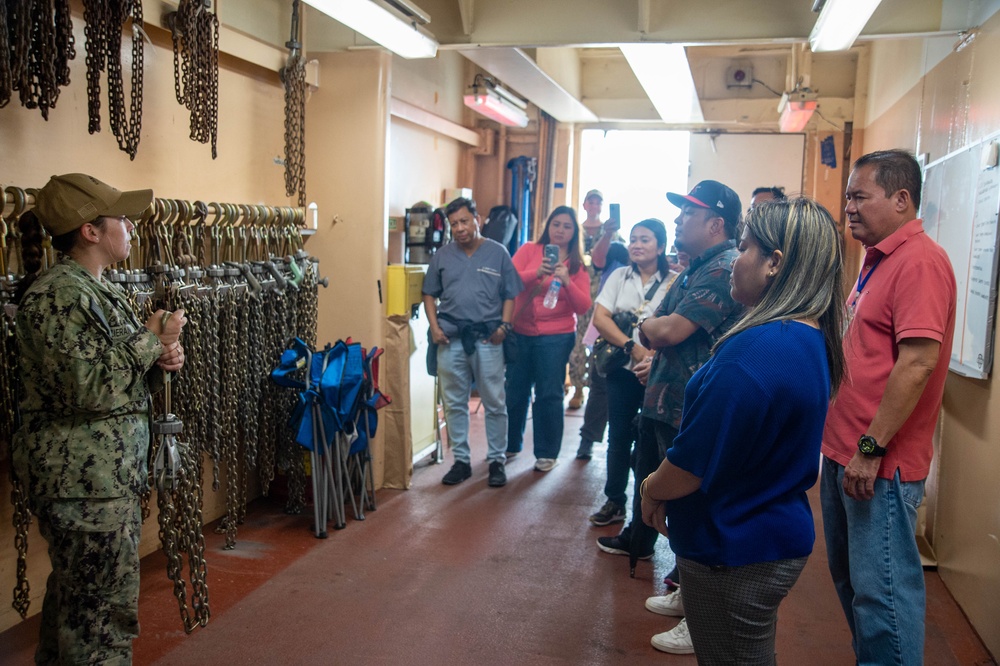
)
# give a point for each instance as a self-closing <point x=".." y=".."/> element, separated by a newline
<point x="104" y="21"/>
<point x="35" y="62"/>
<point x="195" y="37"/>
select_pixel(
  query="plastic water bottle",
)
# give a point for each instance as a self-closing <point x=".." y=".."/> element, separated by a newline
<point x="552" y="295"/>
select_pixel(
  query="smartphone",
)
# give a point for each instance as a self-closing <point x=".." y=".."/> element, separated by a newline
<point x="552" y="254"/>
<point x="615" y="212"/>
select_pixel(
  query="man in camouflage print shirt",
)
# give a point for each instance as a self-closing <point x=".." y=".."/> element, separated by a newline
<point x="695" y="312"/>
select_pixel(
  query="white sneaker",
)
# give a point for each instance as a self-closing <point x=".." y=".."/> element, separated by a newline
<point x="675" y="641"/>
<point x="545" y="464"/>
<point x="671" y="604"/>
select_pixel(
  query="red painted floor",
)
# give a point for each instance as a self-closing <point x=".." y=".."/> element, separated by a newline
<point x="464" y="575"/>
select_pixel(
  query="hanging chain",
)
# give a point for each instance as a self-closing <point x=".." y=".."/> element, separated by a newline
<point x="293" y="76"/>
<point x="6" y="70"/>
<point x="36" y="45"/>
<point x="195" y="36"/>
<point x="230" y="395"/>
<point x="21" y="519"/>
<point x="177" y="476"/>
<point x="104" y="23"/>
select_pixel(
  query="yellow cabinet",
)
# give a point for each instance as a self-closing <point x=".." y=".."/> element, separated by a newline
<point x="403" y="288"/>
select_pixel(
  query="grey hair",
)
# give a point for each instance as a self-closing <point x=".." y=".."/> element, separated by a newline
<point x="810" y="278"/>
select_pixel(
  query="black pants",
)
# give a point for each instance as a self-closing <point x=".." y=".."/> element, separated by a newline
<point x="655" y="438"/>
<point x="595" y="415"/>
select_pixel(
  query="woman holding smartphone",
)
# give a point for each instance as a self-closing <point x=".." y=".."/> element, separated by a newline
<point x="545" y="334"/>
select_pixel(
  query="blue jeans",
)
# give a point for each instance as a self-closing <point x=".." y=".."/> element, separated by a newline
<point x="541" y="362"/>
<point x="456" y="371"/>
<point x="624" y="400"/>
<point x="875" y="566"/>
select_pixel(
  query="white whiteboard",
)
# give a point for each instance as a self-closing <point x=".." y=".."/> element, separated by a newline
<point x="961" y="203"/>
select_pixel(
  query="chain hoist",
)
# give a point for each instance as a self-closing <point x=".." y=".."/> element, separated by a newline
<point x="36" y="40"/>
<point x="177" y="476"/>
<point x="104" y="21"/>
<point x="293" y="76"/>
<point x="194" y="30"/>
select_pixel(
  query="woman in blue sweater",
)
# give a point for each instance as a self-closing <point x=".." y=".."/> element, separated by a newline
<point x="733" y="486"/>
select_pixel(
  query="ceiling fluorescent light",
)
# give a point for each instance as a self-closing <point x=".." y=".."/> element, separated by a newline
<point x="665" y="75"/>
<point x="839" y="24"/>
<point x="397" y="32"/>
<point x="795" y="109"/>
<point x="493" y="101"/>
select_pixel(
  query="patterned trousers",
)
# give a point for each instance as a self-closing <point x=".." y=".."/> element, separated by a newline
<point x="91" y="609"/>
<point x="732" y="612"/>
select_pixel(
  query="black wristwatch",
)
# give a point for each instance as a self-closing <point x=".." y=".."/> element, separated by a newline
<point x="506" y="326"/>
<point x="628" y="346"/>
<point x="869" y="447"/>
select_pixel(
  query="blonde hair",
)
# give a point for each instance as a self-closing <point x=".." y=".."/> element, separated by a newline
<point x="810" y="277"/>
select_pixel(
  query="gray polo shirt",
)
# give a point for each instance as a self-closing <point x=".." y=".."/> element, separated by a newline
<point x="471" y="288"/>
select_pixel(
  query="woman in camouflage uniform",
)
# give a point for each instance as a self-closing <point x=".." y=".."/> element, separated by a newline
<point x="87" y="367"/>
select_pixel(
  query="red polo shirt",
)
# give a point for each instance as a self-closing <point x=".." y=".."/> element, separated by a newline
<point x="909" y="293"/>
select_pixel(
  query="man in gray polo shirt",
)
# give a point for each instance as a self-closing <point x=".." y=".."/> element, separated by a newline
<point x="469" y="295"/>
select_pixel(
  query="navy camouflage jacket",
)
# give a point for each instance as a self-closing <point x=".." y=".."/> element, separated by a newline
<point x="87" y="366"/>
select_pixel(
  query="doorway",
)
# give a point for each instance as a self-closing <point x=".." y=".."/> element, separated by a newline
<point x="636" y="168"/>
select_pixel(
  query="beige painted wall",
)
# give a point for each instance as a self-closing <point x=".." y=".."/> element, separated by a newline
<point x="955" y="103"/>
<point x="745" y="162"/>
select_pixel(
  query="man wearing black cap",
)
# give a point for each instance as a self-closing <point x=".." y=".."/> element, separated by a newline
<point x="695" y="312"/>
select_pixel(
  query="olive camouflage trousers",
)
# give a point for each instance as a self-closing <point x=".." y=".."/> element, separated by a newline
<point x="90" y="614"/>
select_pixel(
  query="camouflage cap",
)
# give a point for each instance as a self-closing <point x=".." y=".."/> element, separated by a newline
<point x="68" y="202"/>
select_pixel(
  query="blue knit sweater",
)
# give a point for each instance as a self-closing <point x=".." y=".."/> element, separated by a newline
<point x="751" y="429"/>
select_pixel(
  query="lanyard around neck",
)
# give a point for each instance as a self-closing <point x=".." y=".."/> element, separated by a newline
<point x="863" y="279"/>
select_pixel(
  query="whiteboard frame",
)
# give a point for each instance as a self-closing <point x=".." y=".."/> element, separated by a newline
<point x="958" y="367"/>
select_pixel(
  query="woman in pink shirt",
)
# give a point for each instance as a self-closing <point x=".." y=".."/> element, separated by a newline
<point x="545" y="336"/>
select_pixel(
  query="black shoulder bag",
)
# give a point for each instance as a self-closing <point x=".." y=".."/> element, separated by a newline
<point x="609" y="357"/>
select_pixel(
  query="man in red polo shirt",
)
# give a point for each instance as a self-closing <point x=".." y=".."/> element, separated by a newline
<point x="877" y="445"/>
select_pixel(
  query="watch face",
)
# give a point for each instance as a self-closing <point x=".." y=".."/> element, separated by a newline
<point x="867" y="445"/>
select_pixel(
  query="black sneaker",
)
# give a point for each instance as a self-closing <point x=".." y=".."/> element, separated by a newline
<point x="616" y="545"/>
<point x="584" y="452"/>
<point x="498" y="477"/>
<point x="611" y="512"/>
<point x="459" y="472"/>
